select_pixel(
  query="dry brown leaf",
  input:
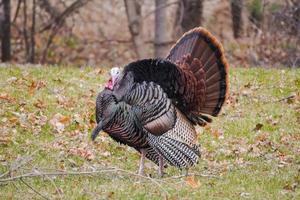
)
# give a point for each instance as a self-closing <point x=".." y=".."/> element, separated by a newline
<point x="13" y="119"/>
<point x="248" y="85"/>
<point x="258" y="127"/>
<point x="39" y="104"/>
<point x="207" y="127"/>
<point x="110" y="194"/>
<point x="190" y="180"/>
<point x="32" y="87"/>
<point x="55" y="122"/>
<point x="35" y="85"/>
<point x="217" y="133"/>
<point x="82" y="152"/>
<point x="5" y="140"/>
<point x="262" y="137"/>
<point x="100" y="71"/>
<point x="5" y="96"/>
<point x="65" y="119"/>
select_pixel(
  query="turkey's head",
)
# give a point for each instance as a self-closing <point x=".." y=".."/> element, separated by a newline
<point x="115" y="73"/>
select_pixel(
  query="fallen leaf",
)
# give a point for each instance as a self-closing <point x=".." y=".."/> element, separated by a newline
<point x="82" y="152"/>
<point x="190" y="180"/>
<point x="5" y="140"/>
<point x="110" y="194"/>
<point x="100" y="71"/>
<point x="5" y="96"/>
<point x="244" y="194"/>
<point x="12" y="79"/>
<point x="13" y="119"/>
<point x="258" y="127"/>
<point x="32" y="87"/>
<point x="65" y="119"/>
<point x="217" y="133"/>
<point x="291" y="187"/>
<point x="55" y="122"/>
<point x="248" y="85"/>
<point x="35" y="85"/>
<point x="106" y="154"/>
<point x="39" y="104"/>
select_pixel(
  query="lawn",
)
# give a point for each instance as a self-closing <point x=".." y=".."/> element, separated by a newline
<point x="251" y="151"/>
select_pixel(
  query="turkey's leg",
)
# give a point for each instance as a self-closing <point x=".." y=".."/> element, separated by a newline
<point x="160" y="166"/>
<point x="142" y="162"/>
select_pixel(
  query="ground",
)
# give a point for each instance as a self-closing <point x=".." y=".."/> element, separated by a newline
<point x="251" y="151"/>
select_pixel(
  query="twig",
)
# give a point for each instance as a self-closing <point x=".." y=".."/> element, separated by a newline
<point x="52" y="10"/>
<point x="19" y="163"/>
<point x="56" y="173"/>
<point x="59" y="20"/>
<point x="24" y="160"/>
<point x="145" y="177"/>
<point x="57" y="23"/>
<point x="37" y="192"/>
<point x="72" y="173"/>
<point x="4" y="174"/>
<point x="159" y="7"/>
<point x="52" y="182"/>
<point x="17" y="11"/>
<point x="202" y="175"/>
<point x="288" y="97"/>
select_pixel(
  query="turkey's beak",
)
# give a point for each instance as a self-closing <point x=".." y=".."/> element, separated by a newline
<point x="96" y="130"/>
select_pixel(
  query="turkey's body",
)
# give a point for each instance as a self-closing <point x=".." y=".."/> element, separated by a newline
<point x="154" y="104"/>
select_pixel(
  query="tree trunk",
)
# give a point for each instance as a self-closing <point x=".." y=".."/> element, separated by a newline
<point x="237" y="20"/>
<point x="5" y="32"/>
<point x="189" y="14"/>
<point x="134" y="16"/>
<point x="161" y="36"/>
<point x="32" y="34"/>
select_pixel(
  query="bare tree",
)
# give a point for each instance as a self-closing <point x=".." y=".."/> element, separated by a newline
<point x="161" y="38"/>
<point x="57" y="21"/>
<point x="50" y="9"/>
<point x="134" y="16"/>
<point x="237" y="19"/>
<point x="32" y="40"/>
<point x="5" y="30"/>
<point x="189" y="15"/>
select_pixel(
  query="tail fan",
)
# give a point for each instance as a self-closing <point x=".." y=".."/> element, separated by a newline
<point x="200" y="52"/>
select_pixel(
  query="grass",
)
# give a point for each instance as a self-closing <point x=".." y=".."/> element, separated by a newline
<point x="251" y="151"/>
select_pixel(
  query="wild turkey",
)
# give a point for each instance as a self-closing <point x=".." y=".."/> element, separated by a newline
<point x="154" y="104"/>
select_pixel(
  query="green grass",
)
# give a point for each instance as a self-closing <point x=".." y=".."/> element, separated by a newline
<point x="239" y="161"/>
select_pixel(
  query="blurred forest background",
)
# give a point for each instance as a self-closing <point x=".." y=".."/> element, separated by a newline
<point x="115" y="32"/>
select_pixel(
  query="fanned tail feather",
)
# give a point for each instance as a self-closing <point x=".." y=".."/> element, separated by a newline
<point x="200" y="51"/>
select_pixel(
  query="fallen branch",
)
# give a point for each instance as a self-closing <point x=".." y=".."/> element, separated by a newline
<point x="57" y="173"/>
<point x="202" y="175"/>
<point x="19" y="163"/>
<point x="34" y="190"/>
<point x="292" y="96"/>
<point x="22" y="161"/>
<point x="52" y="182"/>
<point x="73" y="173"/>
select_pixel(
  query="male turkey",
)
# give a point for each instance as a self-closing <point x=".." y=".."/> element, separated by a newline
<point x="154" y="104"/>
